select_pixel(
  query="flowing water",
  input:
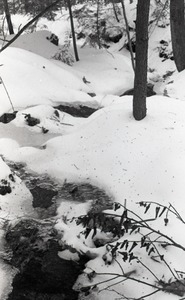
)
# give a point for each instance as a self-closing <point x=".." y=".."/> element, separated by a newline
<point x="64" y="192"/>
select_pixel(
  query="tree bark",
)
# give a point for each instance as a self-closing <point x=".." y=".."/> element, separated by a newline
<point x="141" y="63"/>
<point x="177" y="23"/>
<point x="8" y="17"/>
<point x="73" y="30"/>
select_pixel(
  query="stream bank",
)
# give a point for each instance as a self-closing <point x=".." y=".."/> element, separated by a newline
<point x="33" y="244"/>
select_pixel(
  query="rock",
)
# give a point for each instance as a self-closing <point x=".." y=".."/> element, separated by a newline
<point x="83" y="192"/>
<point x="77" y="111"/>
<point x="92" y="94"/>
<point x="53" y="39"/>
<point x="5" y="187"/>
<point x="42" y="275"/>
<point x="114" y="38"/>
<point x="43" y="196"/>
<point x="31" y="121"/>
<point x="150" y="91"/>
<point x="80" y="35"/>
<point x="8" y="117"/>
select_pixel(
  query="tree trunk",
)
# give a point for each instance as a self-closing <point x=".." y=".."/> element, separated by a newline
<point x="177" y="23"/>
<point x="73" y="30"/>
<point x="115" y="12"/>
<point x="98" y="25"/>
<point x="128" y="35"/>
<point x="140" y="82"/>
<point x="8" y="17"/>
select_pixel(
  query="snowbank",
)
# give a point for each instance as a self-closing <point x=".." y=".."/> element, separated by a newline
<point x="133" y="160"/>
<point x="31" y="79"/>
<point x="175" y="87"/>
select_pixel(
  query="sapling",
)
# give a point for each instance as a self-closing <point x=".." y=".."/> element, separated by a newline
<point x="2" y="82"/>
<point x="133" y="239"/>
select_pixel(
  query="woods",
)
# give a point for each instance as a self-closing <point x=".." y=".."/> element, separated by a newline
<point x="140" y="60"/>
<point x="92" y="105"/>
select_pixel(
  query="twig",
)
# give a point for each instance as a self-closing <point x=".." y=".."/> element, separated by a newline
<point x="120" y="266"/>
<point x="118" y="282"/>
<point x="7" y="93"/>
<point x="76" y="167"/>
<point x="131" y="278"/>
<point x="157" y="19"/>
<point x="104" y="281"/>
<point x="66" y="124"/>
<point x="175" y="212"/>
<point x="148" y="269"/>
<point x="145" y="225"/>
<point x="148" y="295"/>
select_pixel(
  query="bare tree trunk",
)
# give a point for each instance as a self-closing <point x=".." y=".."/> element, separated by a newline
<point x="97" y="24"/>
<point x="177" y="23"/>
<point x="73" y="30"/>
<point x="8" y="17"/>
<point x="140" y="82"/>
<point x="128" y="34"/>
<point x="115" y="12"/>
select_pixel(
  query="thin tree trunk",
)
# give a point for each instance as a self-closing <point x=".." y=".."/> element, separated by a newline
<point x="97" y="24"/>
<point x="73" y="30"/>
<point x="140" y="82"/>
<point x="8" y="17"/>
<point x="28" y="24"/>
<point x="128" y="34"/>
<point x="177" y="23"/>
<point x="115" y="12"/>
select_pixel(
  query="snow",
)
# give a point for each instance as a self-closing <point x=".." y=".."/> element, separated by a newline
<point x="116" y="69"/>
<point x="147" y="163"/>
<point x="132" y="161"/>
<point x="174" y="88"/>
<point x="43" y="75"/>
<point x="41" y="78"/>
<point x="113" y="130"/>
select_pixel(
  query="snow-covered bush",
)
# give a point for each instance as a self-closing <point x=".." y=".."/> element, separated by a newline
<point x="125" y="247"/>
<point x="98" y="25"/>
<point x="161" y="12"/>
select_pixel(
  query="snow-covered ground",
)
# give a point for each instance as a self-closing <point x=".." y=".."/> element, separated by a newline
<point x="132" y="161"/>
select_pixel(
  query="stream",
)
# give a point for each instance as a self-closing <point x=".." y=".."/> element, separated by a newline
<point x="47" y="195"/>
<point x="34" y="243"/>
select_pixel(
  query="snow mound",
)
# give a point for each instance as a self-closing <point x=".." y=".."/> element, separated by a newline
<point x="105" y="72"/>
<point x="37" y="42"/>
<point x="175" y="87"/>
<point x="148" y="156"/>
<point x="49" y="119"/>
<point x="37" y="81"/>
